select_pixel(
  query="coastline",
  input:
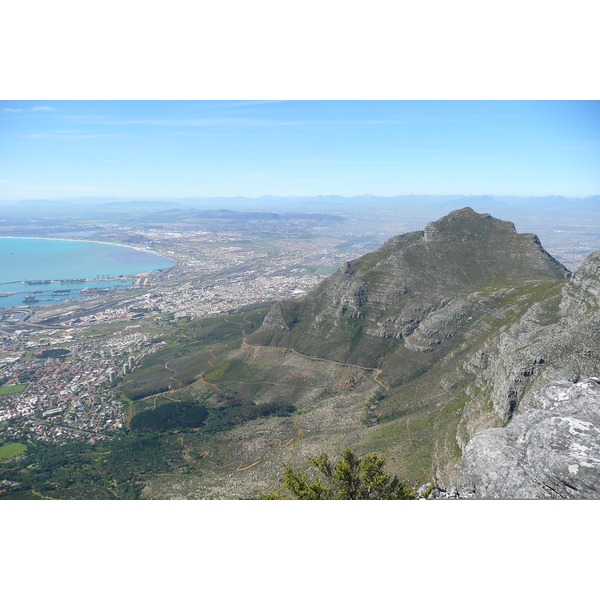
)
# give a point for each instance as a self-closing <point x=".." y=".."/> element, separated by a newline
<point x="128" y="275"/>
<point x="28" y="237"/>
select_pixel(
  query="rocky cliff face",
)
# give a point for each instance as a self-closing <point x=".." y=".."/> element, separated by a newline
<point x="556" y="338"/>
<point x="583" y="295"/>
<point x="551" y="445"/>
<point x="374" y="302"/>
<point x="551" y="450"/>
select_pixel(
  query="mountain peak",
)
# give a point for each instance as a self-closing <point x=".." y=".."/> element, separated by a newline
<point x="382" y="296"/>
<point x="466" y="224"/>
<point x="467" y="211"/>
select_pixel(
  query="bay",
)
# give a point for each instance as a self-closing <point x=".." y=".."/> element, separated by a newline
<point x="31" y="259"/>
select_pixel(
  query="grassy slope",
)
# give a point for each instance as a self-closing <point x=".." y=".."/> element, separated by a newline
<point x="193" y="349"/>
<point x="419" y="417"/>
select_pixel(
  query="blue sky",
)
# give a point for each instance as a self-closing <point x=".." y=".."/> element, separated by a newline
<point x="69" y="149"/>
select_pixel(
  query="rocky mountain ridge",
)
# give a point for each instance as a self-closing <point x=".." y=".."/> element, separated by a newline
<point x="386" y="294"/>
<point x="466" y="321"/>
<point x="556" y="338"/>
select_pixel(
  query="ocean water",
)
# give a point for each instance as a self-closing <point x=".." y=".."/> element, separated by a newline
<point x="26" y="259"/>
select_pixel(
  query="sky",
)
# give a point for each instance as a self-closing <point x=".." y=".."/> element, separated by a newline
<point x="177" y="149"/>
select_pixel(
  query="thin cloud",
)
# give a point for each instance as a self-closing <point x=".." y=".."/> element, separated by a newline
<point x="69" y="135"/>
<point x="326" y="121"/>
<point x="62" y="188"/>
<point x="42" y="108"/>
<point x="212" y="122"/>
<point x="83" y="117"/>
<point x="11" y="110"/>
<point x="238" y="122"/>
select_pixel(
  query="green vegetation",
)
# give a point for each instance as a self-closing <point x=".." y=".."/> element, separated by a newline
<point x="319" y="269"/>
<point x="209" y="419"/>
<point x="252" y="307"/>
<point x="132" y="456"/>
<point x="11" y="450"/>
<point x="217" y="372"/>
<point x="118" y="468"/>
<point x="222" y="418"/>
<point x="111" y="470"/>
<point x="12" y="389"/>
<point x="174" y="415"/>
<point x="193" y="348"/>
<point x="351" y="478"/>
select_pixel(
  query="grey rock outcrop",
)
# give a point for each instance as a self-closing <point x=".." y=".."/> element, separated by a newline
<point x="552" y="450"/>
<point x="583" y="295"/>
<point x="556" y="338"/>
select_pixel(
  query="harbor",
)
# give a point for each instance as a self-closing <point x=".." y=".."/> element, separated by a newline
<point x="57" y="291"/>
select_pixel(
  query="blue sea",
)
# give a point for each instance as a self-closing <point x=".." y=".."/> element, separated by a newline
<point x="29" y="259"/>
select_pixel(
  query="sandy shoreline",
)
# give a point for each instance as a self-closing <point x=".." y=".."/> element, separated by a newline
<point x="27" y="237"/>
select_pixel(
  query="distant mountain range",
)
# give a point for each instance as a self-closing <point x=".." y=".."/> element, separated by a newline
<point x="178" y="215"/>
<point x="309" y="203"/>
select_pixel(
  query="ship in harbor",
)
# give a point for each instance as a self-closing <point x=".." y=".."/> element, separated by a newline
<point x="30" y="299"/>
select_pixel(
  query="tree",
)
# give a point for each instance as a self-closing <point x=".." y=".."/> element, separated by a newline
<point x="351" y="478"/>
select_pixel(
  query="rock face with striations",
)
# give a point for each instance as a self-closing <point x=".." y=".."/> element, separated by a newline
<point x="556" y="338"/>
<point x="371" y="303"/>
<point x="551" y="450"/>
<point x="551" y="445"/>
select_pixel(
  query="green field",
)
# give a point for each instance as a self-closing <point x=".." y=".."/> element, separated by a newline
<point x="10" y="450"/>
<point x="319" y="269"/>
<point x="12" y="389"/>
